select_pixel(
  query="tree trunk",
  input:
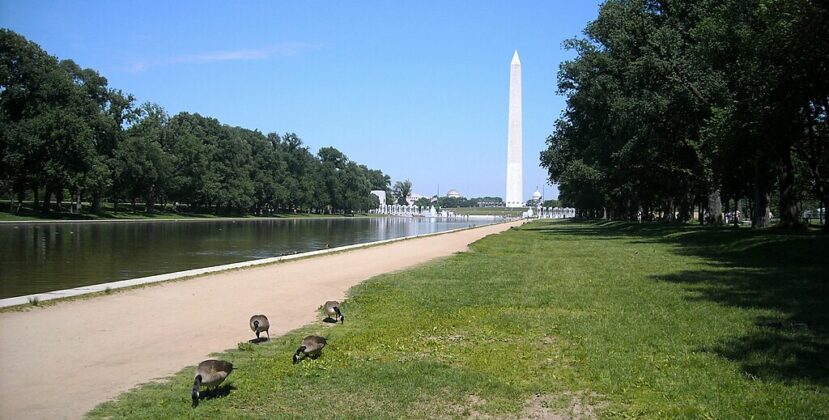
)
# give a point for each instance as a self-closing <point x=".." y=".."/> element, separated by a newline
<point x="824" y="199"/>
<point x="47" y="198"/>
<point x="686" y="209"/>
<point x="21" y="195"/>
<point x="96" y="202"/>
<point x="788" y="198"/>
<point x="11" y="199"/>
<point x="760" y="212"/>
<point x="76" y="202"/>
<point x="714" y="216"/>
<point x="35" y="190"/>
<point x="150" y="201"/>
<point x="59" y="200"/>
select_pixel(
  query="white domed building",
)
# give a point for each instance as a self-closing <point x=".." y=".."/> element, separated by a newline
<point x="453" y="194"/>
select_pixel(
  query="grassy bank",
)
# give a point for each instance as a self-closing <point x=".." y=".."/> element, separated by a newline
<point x="126" y="212"/>
<point x="616" y="319"/>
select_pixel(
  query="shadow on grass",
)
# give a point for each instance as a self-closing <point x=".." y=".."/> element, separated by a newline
<point x="218" y="392"/>
<point x="777" y="270"/>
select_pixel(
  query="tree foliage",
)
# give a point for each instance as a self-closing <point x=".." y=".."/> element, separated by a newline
<point x="401" y="190"/>
<point x="64" y="132"/>
<point x="672" y="105"/>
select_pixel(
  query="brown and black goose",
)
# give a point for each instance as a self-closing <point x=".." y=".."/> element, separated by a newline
<point x="209" y="373"/>
<point x="332" y="309"/>
<point x="258" y="324"/>
<point x="311" y="347"/>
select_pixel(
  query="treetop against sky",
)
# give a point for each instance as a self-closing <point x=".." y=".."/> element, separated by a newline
<point x="377" y="80"/>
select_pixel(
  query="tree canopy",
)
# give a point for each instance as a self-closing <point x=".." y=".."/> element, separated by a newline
<point x="672" y="105"/>
<point x="65" y="132"/>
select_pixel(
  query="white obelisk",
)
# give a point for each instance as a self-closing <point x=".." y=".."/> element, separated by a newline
<point x="515" y="172"/>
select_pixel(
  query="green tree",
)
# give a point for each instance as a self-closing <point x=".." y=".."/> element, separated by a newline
<point x="333" y="171"/>
<point x="142" y="167"/>
<point x="26" y="76"/>
<point x="423" y="202"/>
<point x="401" y="190"/>
<point x="49" y="116"/>
<point x="269" y="169"/>
<point x="62" y="129"/>
<point x="670" y="104"/>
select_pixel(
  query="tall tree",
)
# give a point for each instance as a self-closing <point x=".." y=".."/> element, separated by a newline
<point x="62" y="129"/>
<point x="401" y="190"/>
<point x="671" y="103"/>
<point x="142" y="167"/>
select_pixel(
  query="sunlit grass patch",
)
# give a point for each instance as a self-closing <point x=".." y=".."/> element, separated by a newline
<point x="578" y="319"/>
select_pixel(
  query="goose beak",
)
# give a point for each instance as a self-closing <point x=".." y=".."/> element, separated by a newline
<point x="195" y="397"/>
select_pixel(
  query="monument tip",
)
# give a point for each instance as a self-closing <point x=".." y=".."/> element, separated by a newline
<point x="515" y="58"/>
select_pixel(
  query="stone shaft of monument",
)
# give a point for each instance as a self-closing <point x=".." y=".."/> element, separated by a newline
<point x="514" y="158"/>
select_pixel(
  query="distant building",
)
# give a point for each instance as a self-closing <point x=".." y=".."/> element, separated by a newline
<point x="413" y="197"/>
<point x="490" y="203"/>
<point x="453" y="194"/>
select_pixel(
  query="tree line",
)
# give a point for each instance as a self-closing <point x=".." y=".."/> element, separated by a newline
<point x="677" y="105"/>
<point x="446" y="202"/>
<point x="402" y="189"/>
<point x="67" y="134"/>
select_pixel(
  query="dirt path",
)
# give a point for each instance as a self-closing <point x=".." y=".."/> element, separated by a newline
<point x="61" y="361"/>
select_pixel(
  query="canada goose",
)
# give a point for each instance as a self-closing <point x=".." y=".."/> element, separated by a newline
<point x="332" y="309"/>
<point x="259" y="323"/>
<point x="210" y="373"/>
<point x="311" y="347"/>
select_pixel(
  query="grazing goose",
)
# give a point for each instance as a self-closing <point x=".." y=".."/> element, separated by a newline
<point x="311" y="347"/>
<point x="332" y="309"/>
<point x="210" y="373"/>
<point x="259" y="323"/>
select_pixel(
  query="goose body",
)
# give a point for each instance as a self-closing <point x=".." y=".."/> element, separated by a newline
<point x="311" y="346"/>
<point x="258" y="324"/>
<point x="209" y="373"/>
<point x="332" y="309"/>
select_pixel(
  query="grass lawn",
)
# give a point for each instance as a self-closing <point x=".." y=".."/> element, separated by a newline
<point x="124" y="212"/>
<point x="606" y="319"/>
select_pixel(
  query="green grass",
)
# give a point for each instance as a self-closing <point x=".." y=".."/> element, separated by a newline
<point x="125" y="212"/>
<point x="625" y="320"/>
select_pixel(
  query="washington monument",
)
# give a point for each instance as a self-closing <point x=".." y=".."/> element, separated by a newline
<point x="515" y="172"/>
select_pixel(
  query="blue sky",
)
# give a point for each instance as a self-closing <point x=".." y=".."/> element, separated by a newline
<point x="418" y="89"/>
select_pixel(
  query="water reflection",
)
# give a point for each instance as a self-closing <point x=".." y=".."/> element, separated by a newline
<point x="50" y="256"/>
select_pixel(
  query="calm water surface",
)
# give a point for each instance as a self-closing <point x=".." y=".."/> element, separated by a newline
<point x="41" y="257"/>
